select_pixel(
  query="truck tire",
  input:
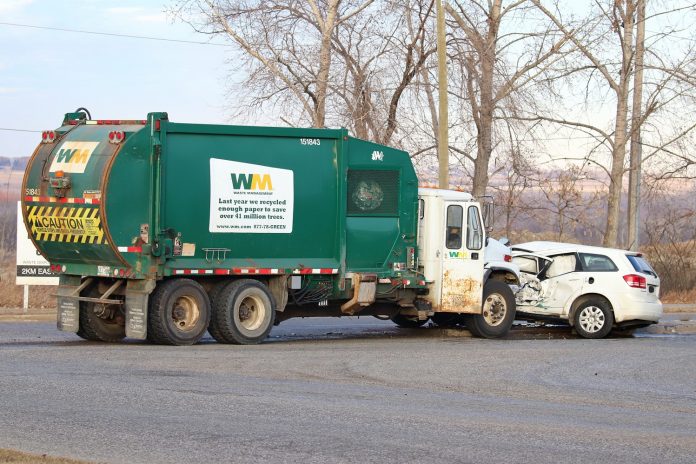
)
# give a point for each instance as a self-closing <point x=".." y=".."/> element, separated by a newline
<point x="593" y="318"/>
<point x="179" y="313"/>
<point x="100" y="323"/>
<point x="407" y="322"/>
<point x="213" y="295"/>
<point x="498" y="312"/>
<point x="243" y="313"/>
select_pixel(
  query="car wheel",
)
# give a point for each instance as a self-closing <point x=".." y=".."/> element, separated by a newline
<point x="498" y="312"/>
<point x="407" y="322"/>
<point x="593" y="318"/>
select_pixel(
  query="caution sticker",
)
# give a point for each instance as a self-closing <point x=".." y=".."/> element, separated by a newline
<point x="65" y="224"/>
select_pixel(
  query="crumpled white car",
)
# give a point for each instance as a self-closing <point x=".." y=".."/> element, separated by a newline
<point x="595" y="289"/>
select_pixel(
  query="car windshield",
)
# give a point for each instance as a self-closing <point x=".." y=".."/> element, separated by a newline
<point x="641" y="265"/>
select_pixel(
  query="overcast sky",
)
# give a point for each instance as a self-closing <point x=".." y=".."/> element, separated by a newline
<point x="47" y="73"/>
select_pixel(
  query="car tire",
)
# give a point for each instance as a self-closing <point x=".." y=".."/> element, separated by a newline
<point x="498" y="311"/>
<point x="593" y="318"/>
<point x="408" y="322"/>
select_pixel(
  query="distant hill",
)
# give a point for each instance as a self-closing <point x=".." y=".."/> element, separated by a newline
<point x="17" y="164"/>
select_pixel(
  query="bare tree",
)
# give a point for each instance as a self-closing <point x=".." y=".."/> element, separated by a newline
<point x="279" y="40"/>
<point x="599" y="38"/>
<point x="498" y="64"/>
<point x="510" y="195"/>
<point x="379" y="62"/>
<point x="327" y="62"/>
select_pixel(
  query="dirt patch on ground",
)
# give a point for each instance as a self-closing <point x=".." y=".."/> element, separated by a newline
<point x="12" y="456"/>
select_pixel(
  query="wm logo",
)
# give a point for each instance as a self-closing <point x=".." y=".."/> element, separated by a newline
<point x="73" y="156"/>
<point x="251" y="181"/>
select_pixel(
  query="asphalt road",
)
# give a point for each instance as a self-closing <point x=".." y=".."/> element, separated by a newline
<point x="331" y="390"/>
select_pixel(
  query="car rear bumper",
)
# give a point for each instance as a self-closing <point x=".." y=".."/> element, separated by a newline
<point x="639" y="311"/>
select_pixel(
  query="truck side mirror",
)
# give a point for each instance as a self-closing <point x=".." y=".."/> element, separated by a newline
<point x="488" y="212"/>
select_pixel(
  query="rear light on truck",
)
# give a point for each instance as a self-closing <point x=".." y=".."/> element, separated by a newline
<point x="117" y="136"/>
<point x="48" y="136"/>
<point x="635" y="281"/>
<point x="508" y="258"/>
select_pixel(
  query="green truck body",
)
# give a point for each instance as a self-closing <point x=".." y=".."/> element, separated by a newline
<point x="164" y="231"/>
<point x="326" y="222"/>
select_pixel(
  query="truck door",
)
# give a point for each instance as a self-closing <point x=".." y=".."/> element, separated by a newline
<point x="462" y="259"/>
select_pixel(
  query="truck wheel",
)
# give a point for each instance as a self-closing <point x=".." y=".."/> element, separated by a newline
<point x="407" y="322"/>
<point x="243" y="313"/>
<point x="214" y="295"/>
<point x="101" y="323"/>
<point x="593" y="319"/>
<point x="179" y="313"/>
<point x="498" y="312"/>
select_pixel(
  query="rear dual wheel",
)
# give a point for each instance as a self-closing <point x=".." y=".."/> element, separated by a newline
<point x="179" y="313"/>
<point x="100" y="322"/>
<point x="243" y="313"/>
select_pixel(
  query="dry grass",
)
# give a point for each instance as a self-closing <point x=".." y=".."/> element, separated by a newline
<point x="11" y="456"/>
<point x="11" y="294"/>
<point x="683" y="297"/>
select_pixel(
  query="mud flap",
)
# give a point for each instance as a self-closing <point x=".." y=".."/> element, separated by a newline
<point x="137" y="294"/>
<point x="68" y="308"/>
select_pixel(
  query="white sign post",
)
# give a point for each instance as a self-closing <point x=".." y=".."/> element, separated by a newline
<point x="32" y="268"/>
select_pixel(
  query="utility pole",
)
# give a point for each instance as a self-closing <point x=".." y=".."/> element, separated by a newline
<point x="636" y="150"/>
<point x="442" y="126"/>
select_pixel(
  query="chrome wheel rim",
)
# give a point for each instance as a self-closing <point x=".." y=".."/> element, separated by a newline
<point x="591" y="319"/>
<point x="494" y="309"/>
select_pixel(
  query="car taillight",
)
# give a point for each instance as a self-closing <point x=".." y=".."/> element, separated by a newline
<point x="635" y="281"/>
<point x="508" y="258"/>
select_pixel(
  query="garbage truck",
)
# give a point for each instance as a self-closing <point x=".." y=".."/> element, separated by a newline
<point x="162" y="231"/>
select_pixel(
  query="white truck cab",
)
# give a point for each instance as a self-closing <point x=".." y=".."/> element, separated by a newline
<point x="451" y="249"/>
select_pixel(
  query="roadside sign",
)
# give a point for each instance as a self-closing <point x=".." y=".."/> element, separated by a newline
<point x="32" y="268"/>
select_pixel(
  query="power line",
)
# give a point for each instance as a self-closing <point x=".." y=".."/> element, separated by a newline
<point x="18" y="130"/>
<point x="112" y="34"/>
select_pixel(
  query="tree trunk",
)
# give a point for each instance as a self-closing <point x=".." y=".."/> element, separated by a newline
<point x="487" y="105"/>
<point x="327" y="26"/>
<point x="611" y="233"/>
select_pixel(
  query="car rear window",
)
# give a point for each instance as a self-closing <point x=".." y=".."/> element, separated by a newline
<point x="595" y="263"/>
<point x="641" y="265"/>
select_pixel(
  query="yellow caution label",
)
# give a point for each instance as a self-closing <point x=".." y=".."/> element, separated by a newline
<point x="65" y="224"/>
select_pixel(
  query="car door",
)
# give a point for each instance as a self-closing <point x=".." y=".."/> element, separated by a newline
<point x="560" y="282"/>
<point x="462" y="261"/>
<point x="529" y="297"/>
<point x="599" y="274"/>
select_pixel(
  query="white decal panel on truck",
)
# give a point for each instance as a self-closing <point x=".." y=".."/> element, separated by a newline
<point x="250" y="198"/>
